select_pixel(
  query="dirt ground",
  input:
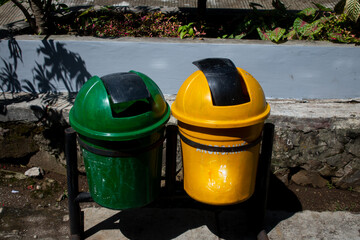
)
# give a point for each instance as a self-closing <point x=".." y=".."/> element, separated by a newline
<point x="27" y="203"/>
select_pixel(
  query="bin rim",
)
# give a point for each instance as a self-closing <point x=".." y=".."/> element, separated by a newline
<point x="222" y="123"/>
<point x="129" y="135"/>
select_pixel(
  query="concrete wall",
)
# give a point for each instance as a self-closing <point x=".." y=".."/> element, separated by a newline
<point x="293" y="70"/>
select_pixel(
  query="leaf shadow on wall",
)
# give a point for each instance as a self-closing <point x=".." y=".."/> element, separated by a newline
<point x="59" y="67"/>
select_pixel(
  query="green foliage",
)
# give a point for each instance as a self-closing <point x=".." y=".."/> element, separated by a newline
<point x="186" y="30"/>
<point x="315" y="24"/>
<point x="330" y="185"/>
<point x="272" y="35"/>
<point x="278" y="25"/>
<point x="350" y="7"/>
<point x="267" y="25"/>
<point x="190" y="30"/>
<point x="3" y="1"/>
<point x="107" y="23"/>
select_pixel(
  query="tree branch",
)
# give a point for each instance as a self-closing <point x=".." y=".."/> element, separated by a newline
<point x="26" y="13"/>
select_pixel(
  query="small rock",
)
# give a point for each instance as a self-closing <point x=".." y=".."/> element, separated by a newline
<point x="2" y="131"/>
<point x="49" y="180"/>
<point x="16" y="175"/>
<point x="66" y="218"/>
<point x="327" y="171"/>
<point x="283" y="175"/>
<point x="340" y="173"/>
<point x="34" y="172"/>
<point x="20" y="176"/>
<point x="305" y="178"/>
<point x="40" y="195"/>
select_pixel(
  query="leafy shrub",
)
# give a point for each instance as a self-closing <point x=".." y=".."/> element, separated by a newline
<point x="315" y="24"/>
<point x="277" y="25"/>
<point x="106" y="23"/>
<point x="319" y="23"/>
<point x="190" y="30"/>
<point x="266" y="25"/>
<point x="350" y="7"/>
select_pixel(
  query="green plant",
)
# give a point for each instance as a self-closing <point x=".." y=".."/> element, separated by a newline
<point x="266" y="25"/>
<point x="320" y="23"/>
<point x="330" y="185"/>
<point x="2" y="2"/>
<point x="323" y="24"/>
<point x="343" y="207"/>
<point x="232" y="36"/>
<point x="273" y="35"/>
<point x="109" y="23"/>
<point x="338" y="28"/>
<point x="350" y="7"/>
<point x="190" y="30"/>
<point x="307" y="25"/>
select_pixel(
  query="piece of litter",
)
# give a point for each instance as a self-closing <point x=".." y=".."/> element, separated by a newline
<point x="14" y="191"/>
<point x="34" y="172"/>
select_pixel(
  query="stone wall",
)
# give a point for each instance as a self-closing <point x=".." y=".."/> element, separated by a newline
<point x="317" y="152"/>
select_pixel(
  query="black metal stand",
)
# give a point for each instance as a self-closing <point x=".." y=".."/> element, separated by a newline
<point x="262" y="182"/>
<point x="75" y="197"/>
<point x="73" y="185"/>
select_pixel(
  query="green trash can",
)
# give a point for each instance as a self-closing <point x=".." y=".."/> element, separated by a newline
<point x="120" y="120"/>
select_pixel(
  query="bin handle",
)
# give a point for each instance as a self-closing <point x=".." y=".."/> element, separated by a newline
<point x="114" y="153"/>
<point x="219" y="149"/>
<point x="125" y="87"/>
<point x="224" y="81"/>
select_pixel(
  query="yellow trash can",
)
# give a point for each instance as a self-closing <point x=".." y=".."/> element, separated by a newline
<point x="221" y="111"/>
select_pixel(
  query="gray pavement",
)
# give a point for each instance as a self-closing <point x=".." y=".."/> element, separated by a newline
<point x="101" y="223"/>
<point x="11" y="14"/>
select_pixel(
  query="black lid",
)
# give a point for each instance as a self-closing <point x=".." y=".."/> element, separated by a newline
<point x="224" y="81"/>
<point x="125" y="87"/>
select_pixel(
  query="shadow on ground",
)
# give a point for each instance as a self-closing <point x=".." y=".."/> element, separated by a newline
<point x="179" y="215"/>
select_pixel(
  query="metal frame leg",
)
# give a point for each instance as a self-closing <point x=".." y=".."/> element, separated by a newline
<point x="171" y="150"/>
<point x="262" y="181"/>
<point x="73" y="186"/>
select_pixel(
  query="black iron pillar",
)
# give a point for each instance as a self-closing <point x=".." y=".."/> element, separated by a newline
<point x="171" y="149"/>
<point x="201" y="8"/>
<point x="262" y="182"/>
<point x="73" y="185"/>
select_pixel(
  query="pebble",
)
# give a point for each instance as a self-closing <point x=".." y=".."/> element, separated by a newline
<point x="66" y="218"/>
